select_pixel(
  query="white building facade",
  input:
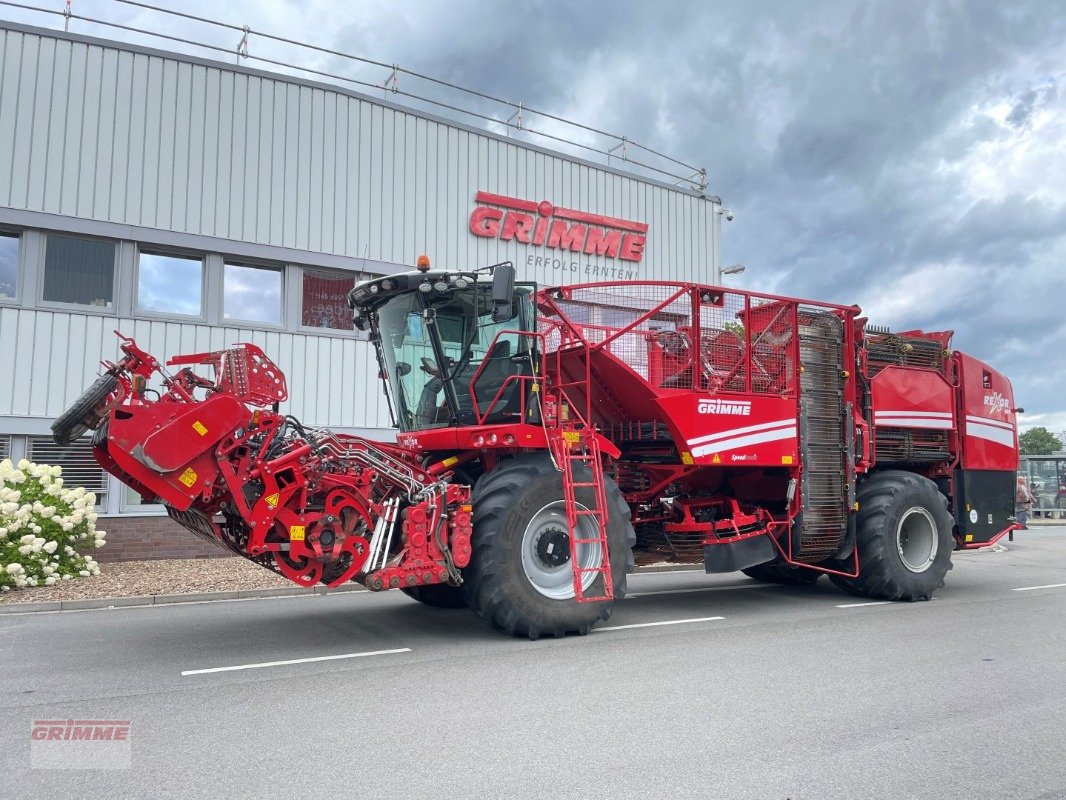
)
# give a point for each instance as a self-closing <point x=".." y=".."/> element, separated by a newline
<point x="193" y="204"/>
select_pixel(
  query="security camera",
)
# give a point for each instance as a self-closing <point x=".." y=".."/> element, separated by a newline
<point x="728" y="213"/>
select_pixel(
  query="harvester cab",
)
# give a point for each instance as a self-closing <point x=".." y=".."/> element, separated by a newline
<point x="450" y="344"/>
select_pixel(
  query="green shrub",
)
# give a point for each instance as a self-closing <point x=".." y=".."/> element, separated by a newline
<point x="43" y="525"/>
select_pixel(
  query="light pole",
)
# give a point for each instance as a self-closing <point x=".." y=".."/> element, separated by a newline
<point x="733" y="269"/>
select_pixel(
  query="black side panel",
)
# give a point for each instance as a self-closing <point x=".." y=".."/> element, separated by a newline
<point x="984" y="502"/>
<point x="732" y="556"/>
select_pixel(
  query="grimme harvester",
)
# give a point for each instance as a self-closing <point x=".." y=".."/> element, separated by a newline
<point x="549" y="436"/>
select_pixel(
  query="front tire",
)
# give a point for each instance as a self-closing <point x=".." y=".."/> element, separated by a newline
<point x="520" y="579"/>
<point x="86" y="413"/>
<point x="904" y="538"/>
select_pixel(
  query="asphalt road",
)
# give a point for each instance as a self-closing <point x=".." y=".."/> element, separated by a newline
<point x="762" y="692"/>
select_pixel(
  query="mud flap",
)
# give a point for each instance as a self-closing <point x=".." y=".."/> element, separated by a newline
<point x="734" y="556"/>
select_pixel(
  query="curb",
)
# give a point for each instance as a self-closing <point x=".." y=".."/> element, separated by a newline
<point x="241" y="594"/>
<point x="168" y="599"/>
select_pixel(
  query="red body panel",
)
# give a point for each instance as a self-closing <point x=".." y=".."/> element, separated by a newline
<point x="989" y="421"/>
<point x="908" y="397"/>
<point x="735" y="429"/>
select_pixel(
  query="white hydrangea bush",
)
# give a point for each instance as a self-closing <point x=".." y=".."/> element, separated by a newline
<point x="43" y="526"/>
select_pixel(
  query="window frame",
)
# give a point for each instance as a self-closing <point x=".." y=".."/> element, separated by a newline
<point x="299" y="271"/>
<point x="113" y="310"/>
<point x="20" y="265"/>
<point x="169" y="252"/>
<point x="281" y="269"/>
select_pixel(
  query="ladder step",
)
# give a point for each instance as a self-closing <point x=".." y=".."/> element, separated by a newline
<point x="586" y="541"/>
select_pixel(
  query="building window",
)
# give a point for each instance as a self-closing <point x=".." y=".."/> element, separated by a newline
<point x="133" y="502"/>
<point x="252" y="294"/>
<point x="80" y="271"/>
<point x="9" y="264"/>
<point x="325" y="299"/>
<point x="170" y="284"/>
<point x="5" y="447"/>
<point x="79" y="466"/>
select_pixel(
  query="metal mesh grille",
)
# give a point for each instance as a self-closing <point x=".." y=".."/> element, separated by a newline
<point x="79" y="466"/>
<point x="887" y="349"/>
<point x="823" y="417"/>
<point x="740" y="343"/>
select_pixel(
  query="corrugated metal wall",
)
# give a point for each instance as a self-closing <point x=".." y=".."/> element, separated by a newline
<point x="105" y="133"/>
<point x="66" y="348"/>
<point x="109" y="134"/>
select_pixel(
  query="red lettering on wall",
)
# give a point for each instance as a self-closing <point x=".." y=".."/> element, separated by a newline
<point x="567" y="237"/>
<point x="517" y="225"/>
<point x="544" y="224"/>
<point x="485" y="222"/>
<point x="603" y="242"/>
<point x="632" y="247"/>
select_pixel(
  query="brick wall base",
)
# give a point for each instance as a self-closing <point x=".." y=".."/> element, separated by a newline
<point x="140" y="538"/>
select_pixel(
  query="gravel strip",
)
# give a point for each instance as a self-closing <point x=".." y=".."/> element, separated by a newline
<point x="161" y="576"/>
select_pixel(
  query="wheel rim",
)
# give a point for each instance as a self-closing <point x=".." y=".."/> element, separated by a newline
<point x="916" y="539"/>
<point x="546" y="563"/>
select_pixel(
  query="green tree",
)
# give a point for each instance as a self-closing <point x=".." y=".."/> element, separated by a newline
<point x="1039" y="442"/>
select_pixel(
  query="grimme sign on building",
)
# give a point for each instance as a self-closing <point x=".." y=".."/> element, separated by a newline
<point x="568" y="232"/>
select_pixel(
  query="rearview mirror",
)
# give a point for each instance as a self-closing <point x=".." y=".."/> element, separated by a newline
<point x="503" y="292"/>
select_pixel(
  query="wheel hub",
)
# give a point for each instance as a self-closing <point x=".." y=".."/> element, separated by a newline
<point x="916" y="539"/>
<point x="553" y="547"/>
<point x="547" y="556"/>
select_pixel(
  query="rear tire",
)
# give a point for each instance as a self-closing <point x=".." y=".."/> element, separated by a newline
<point x="437" y="595"/>
<point x="904" y="538"/>
<point x="517" y="577"/>
<point x="785" y="575"/>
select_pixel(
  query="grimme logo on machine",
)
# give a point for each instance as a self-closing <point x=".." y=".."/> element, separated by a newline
<point x="544" y="225"/>
<point x="736" y="408"/>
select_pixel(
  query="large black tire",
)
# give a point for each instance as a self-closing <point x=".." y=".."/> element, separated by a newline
<point x="437" y="595"/>
<point x="86" y="413"/>
<point x="783" y="574"/>
<point x="904" y="538"/>
<point x="496" y="584"/>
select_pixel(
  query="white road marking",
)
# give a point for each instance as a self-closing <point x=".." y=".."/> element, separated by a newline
<point x="704" y="589"/>
<point x="1045" y="586"/>
<point x="295" y="661"/>
<point x="860" y="605"/>
<point x="653" y="624"/>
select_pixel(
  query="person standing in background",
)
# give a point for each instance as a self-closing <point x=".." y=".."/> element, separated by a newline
<point x="1023" y="503"/>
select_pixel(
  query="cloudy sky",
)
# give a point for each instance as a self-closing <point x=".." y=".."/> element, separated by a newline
<point x="905" y="156"/>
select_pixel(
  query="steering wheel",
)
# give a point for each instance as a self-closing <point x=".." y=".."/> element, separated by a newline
<point x="432" y="369"/>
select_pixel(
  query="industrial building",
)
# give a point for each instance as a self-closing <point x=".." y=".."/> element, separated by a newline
<point x="192" y="204"/>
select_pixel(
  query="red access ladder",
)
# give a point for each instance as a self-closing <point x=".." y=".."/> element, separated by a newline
<point x="575" y="447"/>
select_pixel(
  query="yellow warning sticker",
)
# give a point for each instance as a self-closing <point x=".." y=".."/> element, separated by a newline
<point x="450" y="462"/>
<point x="786" y="459"/>
<point x="717" y="459"/>
<point x="188" y="477"/>
<point x="296" y="533"/>
<point x="571" y="436"/>
<point x="200" y="428"/>
<point x="272" y="499"/>
<point x="686" y="457"/>
<point x="969" y="537"/>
